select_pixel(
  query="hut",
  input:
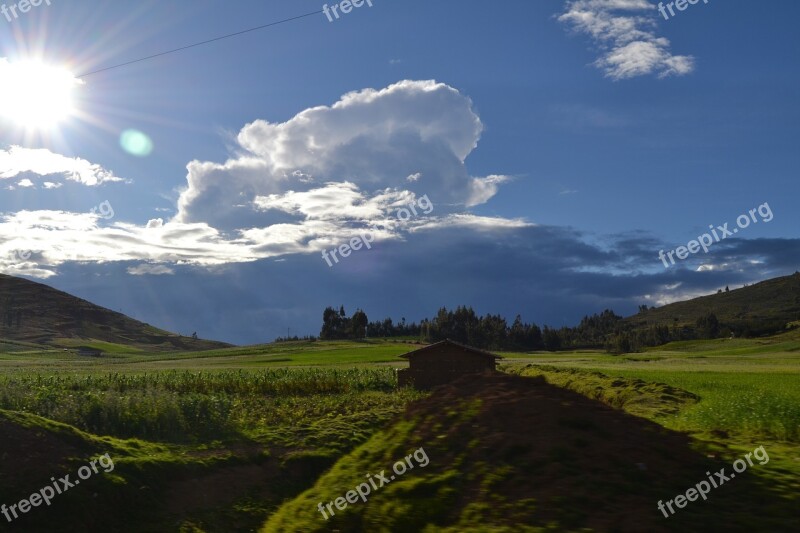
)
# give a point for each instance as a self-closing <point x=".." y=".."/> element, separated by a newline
<point x="444" y="362"/>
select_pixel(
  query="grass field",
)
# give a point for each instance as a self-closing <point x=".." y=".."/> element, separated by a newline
<point x="747" y="394"/>
<point x="301" y="353"/>
<point x="298" y="407"/>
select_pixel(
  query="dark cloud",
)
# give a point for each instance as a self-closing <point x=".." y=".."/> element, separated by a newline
<point x="548" y="274"/>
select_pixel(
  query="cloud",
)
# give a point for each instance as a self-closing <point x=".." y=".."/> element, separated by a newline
<point x="497" y="265"/>
<point x="483" y="189"/>
<point x="623" y="30"/>
<point x="17" y="160"/>
<point x="329" y="174"/>
<point x="326" y="175"/>
<point x="372" y="140"/>
<point x="151" y="270"/>
<point x="55" y="238"/>
<point x="334" y="201"/>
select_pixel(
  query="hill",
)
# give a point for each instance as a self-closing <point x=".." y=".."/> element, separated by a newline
<point x="35" y="315"/>
<point x="769" y="306"/>
<point x="518" y="454"/>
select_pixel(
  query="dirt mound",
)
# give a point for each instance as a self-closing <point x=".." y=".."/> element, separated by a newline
<point x="149" y="489"/>
<point x="510" y="453"/>
<point x="28" y="452"/>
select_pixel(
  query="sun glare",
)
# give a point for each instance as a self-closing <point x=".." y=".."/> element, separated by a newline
<point x="35" y="95"/>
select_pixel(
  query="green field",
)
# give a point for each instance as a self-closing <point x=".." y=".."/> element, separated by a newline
<point x="293" y="409"/>
<point x="299" y="353"/>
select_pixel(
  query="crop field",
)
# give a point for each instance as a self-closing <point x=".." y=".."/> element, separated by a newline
<point x="294" y="409"/>
<point x="332" y="353"/>
<point x="165" y="421"/>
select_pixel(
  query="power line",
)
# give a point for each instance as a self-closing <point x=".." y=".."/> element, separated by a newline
<point x="200" y="43"/>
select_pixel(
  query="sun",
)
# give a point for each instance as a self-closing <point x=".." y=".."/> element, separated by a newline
<point x="35" y="95"/>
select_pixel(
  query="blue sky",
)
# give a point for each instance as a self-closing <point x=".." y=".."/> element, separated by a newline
<point x="562" y="144"/>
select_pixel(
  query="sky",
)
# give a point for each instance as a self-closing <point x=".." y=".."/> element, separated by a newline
<point x="546" y="158"/>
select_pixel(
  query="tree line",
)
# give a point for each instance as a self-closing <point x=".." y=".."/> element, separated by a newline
<point x="605" y="330"/>
<point x="463" y="325"/>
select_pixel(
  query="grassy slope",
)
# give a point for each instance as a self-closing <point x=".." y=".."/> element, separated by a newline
<point x="43" y="316"/>
<point x="515" y="455"/>
<point x="777" y="298"/>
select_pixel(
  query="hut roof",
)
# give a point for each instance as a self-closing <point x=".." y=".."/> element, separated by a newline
<point x="440" y="344"/>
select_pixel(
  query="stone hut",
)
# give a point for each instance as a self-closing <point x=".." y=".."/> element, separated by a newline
<point x="444" y="362"/>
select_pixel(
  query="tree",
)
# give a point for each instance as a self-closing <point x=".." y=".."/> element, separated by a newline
<point x="358" y="325"/>
<point x="552" y="341"/>
<point x="330" y="324"/>
<point x="621" y="344"/>
<point x="493" y="332"/>
<point x="533" y="338"/>
<point x="517" y="334"/>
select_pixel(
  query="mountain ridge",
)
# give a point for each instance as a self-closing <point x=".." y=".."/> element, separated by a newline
<point x="36" y="314"/>
<point x="775" y="300"/>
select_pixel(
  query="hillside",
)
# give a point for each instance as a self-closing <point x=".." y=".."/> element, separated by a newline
<point x="518" y="454"/>
<point x="37" y="315"/>
<point x="768" y="302"/>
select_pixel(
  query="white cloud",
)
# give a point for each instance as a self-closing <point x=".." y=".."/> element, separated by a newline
<point x="25" y="183"/>
<point x="334" y="201"/>
<point x="147" y="269"/>
<point x="17" y="160"/>
<point x="670" y="295"/>
<point x="371" y="139"/>
<point x="58" y="237"/>
<point x="299" y="187"/>
<point x="475" y="222"/>
<point x="623" y="30"/>
<point x="483" y="189"/>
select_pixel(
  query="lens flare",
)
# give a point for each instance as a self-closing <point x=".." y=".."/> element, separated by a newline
<point x="136" y="143"/>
